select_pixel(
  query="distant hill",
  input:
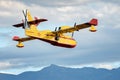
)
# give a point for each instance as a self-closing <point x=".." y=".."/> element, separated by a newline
<point x="54" y="72"/>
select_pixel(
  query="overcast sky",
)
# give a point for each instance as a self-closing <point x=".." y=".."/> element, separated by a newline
<point x="100" y="49"/>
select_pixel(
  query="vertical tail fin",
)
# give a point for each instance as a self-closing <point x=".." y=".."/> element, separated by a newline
<point x="30" y="21"/>
<point x="29" y="17"/>
<point x="29" y="24"/>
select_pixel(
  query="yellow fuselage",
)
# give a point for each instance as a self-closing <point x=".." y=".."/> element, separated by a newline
<point x="64" y="41"/>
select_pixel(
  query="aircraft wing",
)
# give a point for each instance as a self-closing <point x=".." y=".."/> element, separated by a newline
<point x="16" y="38"/>
<point x="77" y="27"/>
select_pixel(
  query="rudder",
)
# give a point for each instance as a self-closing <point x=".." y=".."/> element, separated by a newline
<point x="29" y="17"/>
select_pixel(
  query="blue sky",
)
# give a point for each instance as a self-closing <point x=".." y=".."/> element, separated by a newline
<point x="100" y="49"/>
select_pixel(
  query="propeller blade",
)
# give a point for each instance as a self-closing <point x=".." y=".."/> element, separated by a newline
<point x="55" y="28"/>
<point x="59" y="28"/>
<point x="24" y="20"/>
<point x="27" y="20"/>
<point x="74" y="26"/>
<point x="56" y="35"/>
<point x="72" y="34"/>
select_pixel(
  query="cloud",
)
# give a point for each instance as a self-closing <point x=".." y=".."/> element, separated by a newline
<point x="6" y="5"/>
<point x="63" y="3"/>
<point x="109" y="66"/>
<point x="63" y="14"/>
<point x="4" y="65"/>
<point x="56" y="3"/>
<point x="7" y="65"/>
<point x="106" y="66"/>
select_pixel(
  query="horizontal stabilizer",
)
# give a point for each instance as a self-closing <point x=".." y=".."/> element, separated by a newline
<point x="16" y="38"/>
<point x="30" y="22"/>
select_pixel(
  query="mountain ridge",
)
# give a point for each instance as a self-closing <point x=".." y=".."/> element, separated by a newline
<point x="54" y="72"/>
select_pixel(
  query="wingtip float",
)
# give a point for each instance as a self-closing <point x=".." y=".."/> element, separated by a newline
<point x="56" y="37"/>
<point x="93" y="22"/>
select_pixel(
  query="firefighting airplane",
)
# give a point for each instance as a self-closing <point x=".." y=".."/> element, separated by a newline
<point x="56" y="37"/>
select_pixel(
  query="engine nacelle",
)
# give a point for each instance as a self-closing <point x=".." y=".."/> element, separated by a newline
<point x="20" y="44"/>
<point x="92" y="28"/>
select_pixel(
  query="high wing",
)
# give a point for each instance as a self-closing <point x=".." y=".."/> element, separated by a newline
<point x="93" y="22"/>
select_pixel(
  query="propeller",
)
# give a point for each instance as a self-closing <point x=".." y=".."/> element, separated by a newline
<point x="74" y="27"/>
<point x="26" y="22"/>
<point x="57" y="35"/>
<point x="59" y="28"/>
<point x="55" y="28"/>
<point x="25" y="19"/>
